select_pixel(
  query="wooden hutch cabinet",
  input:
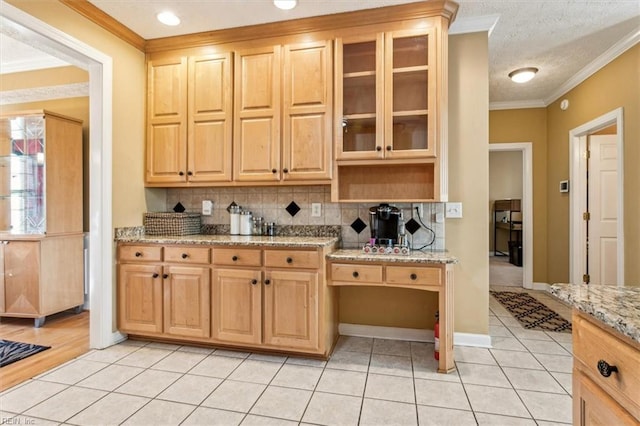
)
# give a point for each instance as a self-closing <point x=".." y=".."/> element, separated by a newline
<point x="41" y="231"/>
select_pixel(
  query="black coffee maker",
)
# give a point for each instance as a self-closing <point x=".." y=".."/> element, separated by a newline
<point x="384" y="221"/>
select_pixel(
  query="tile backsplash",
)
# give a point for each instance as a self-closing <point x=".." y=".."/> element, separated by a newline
<point x="274" y="204"/>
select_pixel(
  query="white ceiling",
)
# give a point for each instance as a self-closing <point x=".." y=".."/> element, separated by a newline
<point x="566" y="39"/>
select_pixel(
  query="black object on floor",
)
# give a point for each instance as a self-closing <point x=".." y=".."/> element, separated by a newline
<point x="530" y="312"/>
<point x="11" y="352"/>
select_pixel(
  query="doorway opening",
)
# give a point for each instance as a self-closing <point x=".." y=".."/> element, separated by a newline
<point x="520" y="235"/>
<point x="596" y="207"/>
<point x="33" y="32"/>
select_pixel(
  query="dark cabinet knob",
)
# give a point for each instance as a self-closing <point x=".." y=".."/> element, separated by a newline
<point x="138" y="254"/>
<point x="185" y="255"/>
<point x="378" y="148"/>
<point x="254" y="281"/>
<point x="165" y="276"/>
<point x="156" y="275"/>
<point x="285" y="170"/>
<point x="413" y="276"/>
<point x="190" y="173"/>
<point x="234" y="258"/>
<point x="605" y="369"/>
<point x="289" y="260"/>
<point x="181" y="173"/>
<point x="388" y="147"/>
<point x="267" y="282"/>
<point x="355" y="274"/>
<point x="274" y="171"/>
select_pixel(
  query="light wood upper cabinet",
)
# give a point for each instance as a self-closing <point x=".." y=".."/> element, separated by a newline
<point x="189" y="107"/>
<point x="283" y="117"/>
<point x="386" y="100"/>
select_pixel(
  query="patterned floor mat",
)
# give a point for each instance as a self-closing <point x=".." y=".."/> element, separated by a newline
<point x="531" y="313"/>
<point x="11" y="352"/>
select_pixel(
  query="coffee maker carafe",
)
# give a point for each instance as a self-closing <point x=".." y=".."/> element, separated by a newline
<point x="384" y="222"/>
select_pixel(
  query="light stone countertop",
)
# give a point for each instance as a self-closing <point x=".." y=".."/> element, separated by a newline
<point x="617" y="307"/>
<point x="234" y="240"/>
<point x="414" y="257"/>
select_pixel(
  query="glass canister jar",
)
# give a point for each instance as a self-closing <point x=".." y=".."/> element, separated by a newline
<point x="246" y="223"/>
<point x="257" y="225"/>
<point x="234" y="220"/>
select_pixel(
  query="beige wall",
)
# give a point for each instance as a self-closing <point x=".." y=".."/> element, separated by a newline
<point x="467" y="238"/>
<point x="129" y="195"/>
<point x="616" y="85"/>
<point x="529" y="125"/>
<point x="505" y="182"/>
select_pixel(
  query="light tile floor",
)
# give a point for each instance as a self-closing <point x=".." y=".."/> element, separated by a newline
<point x="525" y="379"/>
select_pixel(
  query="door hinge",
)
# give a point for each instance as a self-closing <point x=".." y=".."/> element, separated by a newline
<point x="587" y="154"/>
<point x="586" y="278"/>
<point x="586" y="216"/>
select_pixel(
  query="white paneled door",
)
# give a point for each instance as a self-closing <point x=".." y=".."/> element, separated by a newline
<point x="603" y="209"/>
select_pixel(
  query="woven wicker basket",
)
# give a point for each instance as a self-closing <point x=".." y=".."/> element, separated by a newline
<point x="171" y="223"/>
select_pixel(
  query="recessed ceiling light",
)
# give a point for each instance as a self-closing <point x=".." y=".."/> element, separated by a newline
<point x="522" y="75"/>
<point x="285" y="4"/>
<point x="168" y="18"/>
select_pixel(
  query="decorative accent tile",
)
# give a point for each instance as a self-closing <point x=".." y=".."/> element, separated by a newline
<point x="292" y="208"/>
<point x="233" y="204"/>
<point x="358" y="225"/>
<point x="412" y="226"/>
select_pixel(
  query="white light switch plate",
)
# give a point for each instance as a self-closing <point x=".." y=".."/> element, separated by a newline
<point x="316" y="209"/>
<point x="207" y="207"/>
<point x="453" y="210"/>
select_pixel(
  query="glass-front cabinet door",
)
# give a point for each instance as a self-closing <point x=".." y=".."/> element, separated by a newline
<point x="22" y="177"/>
<point x="387" y="96"/>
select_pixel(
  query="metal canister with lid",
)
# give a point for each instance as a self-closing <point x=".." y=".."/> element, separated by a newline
<point x="246" y="223"/>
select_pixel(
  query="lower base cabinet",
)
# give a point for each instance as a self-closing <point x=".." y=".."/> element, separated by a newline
<point x="272" y="299"/>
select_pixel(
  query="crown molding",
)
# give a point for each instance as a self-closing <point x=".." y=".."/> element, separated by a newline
<point x="38" y="94"/>
<point x="474" y="24"/>
<point x="534" y="103"/>
<point x="596" y="65"/>
<point x="98" y="17"/>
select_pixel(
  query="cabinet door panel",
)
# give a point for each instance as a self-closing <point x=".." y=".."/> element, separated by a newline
<point x="594" y="407"/>
<point x="257" y="150"/>
<point x="186" y="301"/>
<point x="291" y="309"/>
<point x="210" y="121"/>
<point x="21" y="277"/>
<point x="166" y="153"/>
<point x="140" y="298"/>
<point x="236" y="309"/>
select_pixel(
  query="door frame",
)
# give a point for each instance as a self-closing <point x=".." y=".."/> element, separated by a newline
<point x="526" y="148"/>
<point x="578" y="192"/>
<point x="43" y="36"/>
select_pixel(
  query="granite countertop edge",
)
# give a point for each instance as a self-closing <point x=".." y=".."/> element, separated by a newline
<point x="413" y="257"/>
<point x="233" y="240"/>
<point x="617" y="307"/>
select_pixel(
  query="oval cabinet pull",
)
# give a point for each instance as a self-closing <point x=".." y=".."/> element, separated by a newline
<point x="274" y="171"/>
<point x="185" y="255"/>
<point x="165" y="276"/>
<point x="181" y="173"/>
<point x="254" y="281"/>
<point x="388" y="147"/>
<point x="355" y="274"/>
<point x="138" y="254"/>
<point x="267" y="281"/>
<point x="190" y="173"/>
<point x="378" y="148"/>
<point x="234" y="258"/>
<point x="289" y="260"/>
<point x="285" y="170"/>
<point x="605" y="369"/>
<point x="413" y="277"/>
<point x="156" y="275"/>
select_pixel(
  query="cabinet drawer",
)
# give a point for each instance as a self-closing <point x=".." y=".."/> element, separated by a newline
<point x="140" y="253"/>
<point x="356" y="273"/>
<point x="414" y="275"/>
<point x="186" y="254"/>
<point x="592" y="344"/>
<point x="291" y="259"/>
<point x="237" y="257"/>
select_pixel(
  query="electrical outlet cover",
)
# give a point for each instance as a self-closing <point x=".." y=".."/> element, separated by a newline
<point x="453" y="210"/>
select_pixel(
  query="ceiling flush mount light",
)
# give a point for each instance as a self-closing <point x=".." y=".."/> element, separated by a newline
<point x="522" y="75"/>
<point x="168" y="18"/>
<point x="285" y="4"/>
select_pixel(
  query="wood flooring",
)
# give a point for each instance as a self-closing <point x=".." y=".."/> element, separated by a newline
<point x="67" y="334"/>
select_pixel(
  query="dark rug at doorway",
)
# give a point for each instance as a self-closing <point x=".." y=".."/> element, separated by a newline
<point x="11" y="352"/>
<point x="531" y="313"/>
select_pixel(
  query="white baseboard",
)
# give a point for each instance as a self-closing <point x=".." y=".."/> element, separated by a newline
<point x="412" y="334"/>
<point x="541" y="286"/>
